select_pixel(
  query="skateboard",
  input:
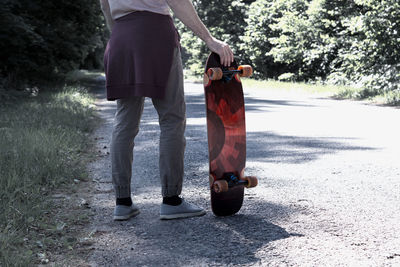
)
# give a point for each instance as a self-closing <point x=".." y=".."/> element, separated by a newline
<point x="226" y="131"/>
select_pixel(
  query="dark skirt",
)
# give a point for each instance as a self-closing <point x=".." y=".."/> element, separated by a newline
<point x="139" y="54"/>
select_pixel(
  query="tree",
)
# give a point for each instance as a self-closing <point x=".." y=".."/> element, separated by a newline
<point x="372" y="57"/>
<point x="259" y="32"/>
<point x="226" y="21"/>
<point x="41" y="39"/>
<point x="340" y="41"/>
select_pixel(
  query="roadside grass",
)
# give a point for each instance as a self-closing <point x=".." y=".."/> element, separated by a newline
<point x="282" y="86"/>
<point x="44" y="142"/>
<point x="391" y="98"/>
<point x="310" y="88"/>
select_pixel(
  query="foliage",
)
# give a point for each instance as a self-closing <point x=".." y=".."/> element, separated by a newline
<point x="372" y="58"/>
<point x="337" y="41"/>
<point x="340" y="41"/>
<point x="225" y="20"/>
<point x="39" y="39"/>
<point x="256" y="39"/>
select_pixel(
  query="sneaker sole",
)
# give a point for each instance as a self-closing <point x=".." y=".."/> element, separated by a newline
<point x="126" y="217"/>
<point x="182" y="215"/>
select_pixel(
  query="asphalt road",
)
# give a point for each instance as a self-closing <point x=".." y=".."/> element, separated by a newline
<point x="328" y="194"/>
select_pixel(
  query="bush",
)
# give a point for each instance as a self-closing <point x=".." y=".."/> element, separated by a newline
<point x="340" y="41"/>
<point x="302" y="35"/>
<point x="256" y="38"/>
<point x="226" y="21"/>
<point x="40" y="39"/>
<point x="372" y="54"/>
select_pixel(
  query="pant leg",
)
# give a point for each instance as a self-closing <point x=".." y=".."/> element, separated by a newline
<point x="126" y="127"/>
<point x="172" y="119"/>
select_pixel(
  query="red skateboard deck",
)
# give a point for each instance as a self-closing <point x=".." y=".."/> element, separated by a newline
<point x="226" y="131"/>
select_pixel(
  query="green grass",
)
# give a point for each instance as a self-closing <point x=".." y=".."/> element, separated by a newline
<point x="294" y="86"/>
<point x="391" y="98"/>
<point x="43" y="140"/>
<point x="335" y="91"/>
<point x="315" y="88"/>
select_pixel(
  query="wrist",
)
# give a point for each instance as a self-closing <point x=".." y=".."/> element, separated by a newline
<point x="208" y="39"/>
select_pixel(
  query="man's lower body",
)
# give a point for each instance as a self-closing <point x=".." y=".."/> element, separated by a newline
<point x="172" y="119"/>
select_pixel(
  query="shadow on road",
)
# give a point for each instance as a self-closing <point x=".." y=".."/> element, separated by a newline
<point x="196" y="106"/>
<point x="267" y="146"/>
<point x="270" y="147"/>
<point x="201" y="241"/>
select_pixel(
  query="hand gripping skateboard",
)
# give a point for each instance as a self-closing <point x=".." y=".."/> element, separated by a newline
<point x="226" y="131"/>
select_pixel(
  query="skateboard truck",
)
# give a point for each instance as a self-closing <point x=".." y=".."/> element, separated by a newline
<point x="226" y="74"/>
<point x="233" y="180"/>
<point x="230" y="180"/>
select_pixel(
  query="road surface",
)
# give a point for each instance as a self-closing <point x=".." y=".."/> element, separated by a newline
<point x="328" y="193"/>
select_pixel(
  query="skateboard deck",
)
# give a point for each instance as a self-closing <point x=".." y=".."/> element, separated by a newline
<point x="226" y="132"/>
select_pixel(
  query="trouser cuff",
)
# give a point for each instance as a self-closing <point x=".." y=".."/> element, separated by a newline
<point x="170" y="191"/>
<point x="122" y="191"/>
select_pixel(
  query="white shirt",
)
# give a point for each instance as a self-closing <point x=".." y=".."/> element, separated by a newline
<point x="120" y="8"/>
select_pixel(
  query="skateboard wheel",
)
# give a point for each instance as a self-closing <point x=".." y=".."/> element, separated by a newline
<point x="220" y="186"/>
<point x="206" y="80"/>
<point x="237" y="77"/>
<point x="211" y="180"/>
<point x="247" y="70"/>
<point x="252" y="181"/>
<point x="214" y="74"/>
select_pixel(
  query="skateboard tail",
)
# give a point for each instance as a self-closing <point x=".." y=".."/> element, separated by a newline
<point x="227" y="203"/>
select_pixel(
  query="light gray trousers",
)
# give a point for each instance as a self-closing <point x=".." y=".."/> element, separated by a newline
<point x="172" y="119"/>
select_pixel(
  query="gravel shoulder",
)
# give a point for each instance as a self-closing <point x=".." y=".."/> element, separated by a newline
<point x="328" y="194"/>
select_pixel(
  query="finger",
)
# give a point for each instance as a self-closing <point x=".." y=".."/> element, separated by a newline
<point x="226" y="63"/>
<point x="231" y="58"/>
<point x="226" y="57"/>
<point x="221" y="57"/>
<point x="229" y="55"/>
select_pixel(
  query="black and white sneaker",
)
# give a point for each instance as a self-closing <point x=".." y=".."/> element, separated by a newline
<point x="122" y="212"/>
<point x="184" y="210"/>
